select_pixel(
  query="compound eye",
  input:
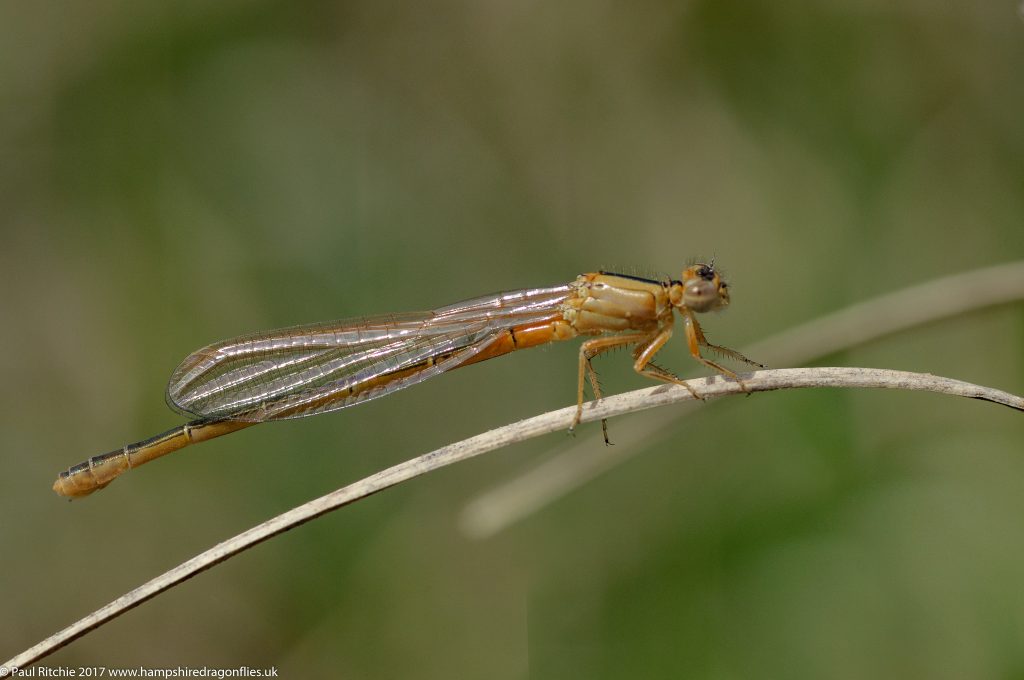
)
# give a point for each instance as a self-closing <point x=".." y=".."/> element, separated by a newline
<point x="700" y="295"/>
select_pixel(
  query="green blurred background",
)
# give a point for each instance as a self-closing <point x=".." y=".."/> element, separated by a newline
<point x="174" y="174"/>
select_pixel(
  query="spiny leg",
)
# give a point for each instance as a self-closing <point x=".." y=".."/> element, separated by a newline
<point x="724" y="351"/>
<point x="646" y="351"/>
<point x="589" y="350"/>
<point x="595" y="385"/>
<point x="695" y="339"/>
<point x="732" y="354"/>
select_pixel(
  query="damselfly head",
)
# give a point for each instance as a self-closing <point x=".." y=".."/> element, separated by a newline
<point x="701" y="289"/>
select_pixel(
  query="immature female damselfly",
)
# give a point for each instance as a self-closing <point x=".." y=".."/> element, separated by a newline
<point x="318" y="368"/>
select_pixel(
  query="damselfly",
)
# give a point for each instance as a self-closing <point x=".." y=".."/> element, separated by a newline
<point x="318" y="368"/>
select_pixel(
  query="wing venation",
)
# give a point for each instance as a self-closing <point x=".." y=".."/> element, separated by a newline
<point x="311" y="369"/>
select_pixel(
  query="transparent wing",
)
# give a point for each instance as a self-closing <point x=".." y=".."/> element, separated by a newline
<point x="318" y="368"/>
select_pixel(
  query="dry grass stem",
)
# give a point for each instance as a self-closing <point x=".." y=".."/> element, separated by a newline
<point x="554" y="421"/>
